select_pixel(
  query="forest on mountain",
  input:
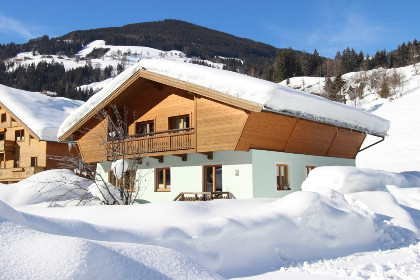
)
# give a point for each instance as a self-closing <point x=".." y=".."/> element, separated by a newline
<point x="238" y="54"/>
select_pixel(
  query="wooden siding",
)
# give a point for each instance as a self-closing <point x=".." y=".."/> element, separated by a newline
<point x="23" y="150"/>
<point x="160" y="104"/>
<point x="56" y="150"/>
<point x="311" y="138"/>
<point x="91" y="144"/>
<point x="277" y="132"/>
<point x="346" y="143"/>
<point x="219" y="126"/>
<point x="266" y="131"/>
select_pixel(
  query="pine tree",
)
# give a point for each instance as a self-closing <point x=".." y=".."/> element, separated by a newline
<point x="384" y="90"/>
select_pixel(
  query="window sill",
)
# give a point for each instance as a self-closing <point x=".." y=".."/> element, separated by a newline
<point x="163" y="190"/>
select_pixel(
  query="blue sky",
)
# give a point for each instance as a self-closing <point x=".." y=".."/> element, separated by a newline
<point x="328" y="26"/>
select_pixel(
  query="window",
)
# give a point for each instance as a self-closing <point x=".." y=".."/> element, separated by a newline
<point x="112" y="178"/>
<point x="179" y="122"/>
<point x="163" y="179"/>
<point x="213" y="178"/>
<point x="145" y="127"/>
<point x="282" y="177"/>
<point x="308" y="169"/>
<point x="3" y="117"/>
<point x="20" y="135"/>
<point x="34" y="161"/>
<point x="2" y="136"/>
<point x="129" y="180"/>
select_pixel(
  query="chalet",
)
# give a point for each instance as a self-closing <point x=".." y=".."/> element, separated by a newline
<point x="209" y="130"/>
<point x="29" y="122"/>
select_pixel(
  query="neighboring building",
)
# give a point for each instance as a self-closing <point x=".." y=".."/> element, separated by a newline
<point x="29" y="123"/>
<point x="205" y="129"/>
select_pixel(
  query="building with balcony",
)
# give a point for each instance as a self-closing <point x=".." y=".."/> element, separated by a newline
<point x="204" y="131"/>
<point x="29" y="123"/>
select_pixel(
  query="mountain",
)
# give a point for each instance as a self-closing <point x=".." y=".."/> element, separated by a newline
<point x="170" y="34"/>
<point x="166" y="35"/>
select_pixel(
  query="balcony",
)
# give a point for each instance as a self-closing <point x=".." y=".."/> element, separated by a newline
<point x="152" y="143"/>
<point x="7" y="146"/>
<point x="19" y="173"/>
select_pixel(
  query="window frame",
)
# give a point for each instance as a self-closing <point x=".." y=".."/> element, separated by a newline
<point x="286" y="186"/>
<point x="112" y="179"/>
<point x="165" y="186"/>
<point x="3" y="117"/>
<point x="34" y="161"/>
<point x="309" y="168"/>
<point x="21" y="136"/>
<point x="214" y="182"/>
<point x="148" y="124"/>
<point x="185" y="119"/>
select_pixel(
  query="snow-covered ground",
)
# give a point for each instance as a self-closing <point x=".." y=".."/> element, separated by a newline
<point x="328" y="230"/>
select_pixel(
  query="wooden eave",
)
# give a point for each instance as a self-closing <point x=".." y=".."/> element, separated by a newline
<point x="26" y="127"/>
<point x="198" y="90"/>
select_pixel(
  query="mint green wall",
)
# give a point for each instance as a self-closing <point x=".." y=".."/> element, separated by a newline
<point x="264" y="170"/>
<point x="187" y="176"/>
<point x="245" y="174"/>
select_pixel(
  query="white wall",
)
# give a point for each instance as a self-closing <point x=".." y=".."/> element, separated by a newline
<point x="264" y="170"/>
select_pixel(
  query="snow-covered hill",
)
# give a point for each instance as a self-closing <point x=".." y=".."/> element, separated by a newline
<point x="401" y="150"/>
<point x="128" y="55"/>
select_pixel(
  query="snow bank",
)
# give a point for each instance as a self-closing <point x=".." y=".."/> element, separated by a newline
<point x="40" y="113"/>
<point x="347" y="179"/>
<point x="234" y="238"/>
<point x="61" y="185"/>
<point x="271" y="96"/>
<point x="32" y="254"/>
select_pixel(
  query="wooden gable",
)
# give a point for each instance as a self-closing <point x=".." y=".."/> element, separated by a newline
<point x="217" y="122"/>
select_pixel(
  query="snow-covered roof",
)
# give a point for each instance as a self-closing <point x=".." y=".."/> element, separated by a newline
<point x="270" y="96"/>
<point x="40" y="113"/>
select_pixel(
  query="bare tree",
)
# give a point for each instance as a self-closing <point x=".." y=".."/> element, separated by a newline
<point x="123" y="150"/>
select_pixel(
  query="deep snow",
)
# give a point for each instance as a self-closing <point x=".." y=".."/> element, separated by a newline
<point x="299" y="232"/>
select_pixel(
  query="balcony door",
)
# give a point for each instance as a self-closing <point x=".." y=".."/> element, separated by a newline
<point x="213" y="178"/>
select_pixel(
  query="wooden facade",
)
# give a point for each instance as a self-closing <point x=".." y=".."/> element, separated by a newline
<point x="174" y="117"/>
<point x="22" y="153"/>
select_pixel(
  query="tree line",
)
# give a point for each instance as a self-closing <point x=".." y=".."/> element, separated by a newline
<point x="53" y="77"/>
<point x="237" y="54"/>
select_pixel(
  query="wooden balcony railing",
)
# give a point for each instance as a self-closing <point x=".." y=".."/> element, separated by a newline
<point x="156" y="142"/>
<point x="201" y="196"/>
<point x="7" y="146"/>
<point x="19" y="173"/>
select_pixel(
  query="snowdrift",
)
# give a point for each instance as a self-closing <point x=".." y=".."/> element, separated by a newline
<point x="233" y="238"/>
<point x="55" y="188"/>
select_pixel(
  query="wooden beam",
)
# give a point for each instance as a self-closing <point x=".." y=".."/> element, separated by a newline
<point x="182" y="156"/>
<point x="208" y="154"/>
<point x="159" y="158"/>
